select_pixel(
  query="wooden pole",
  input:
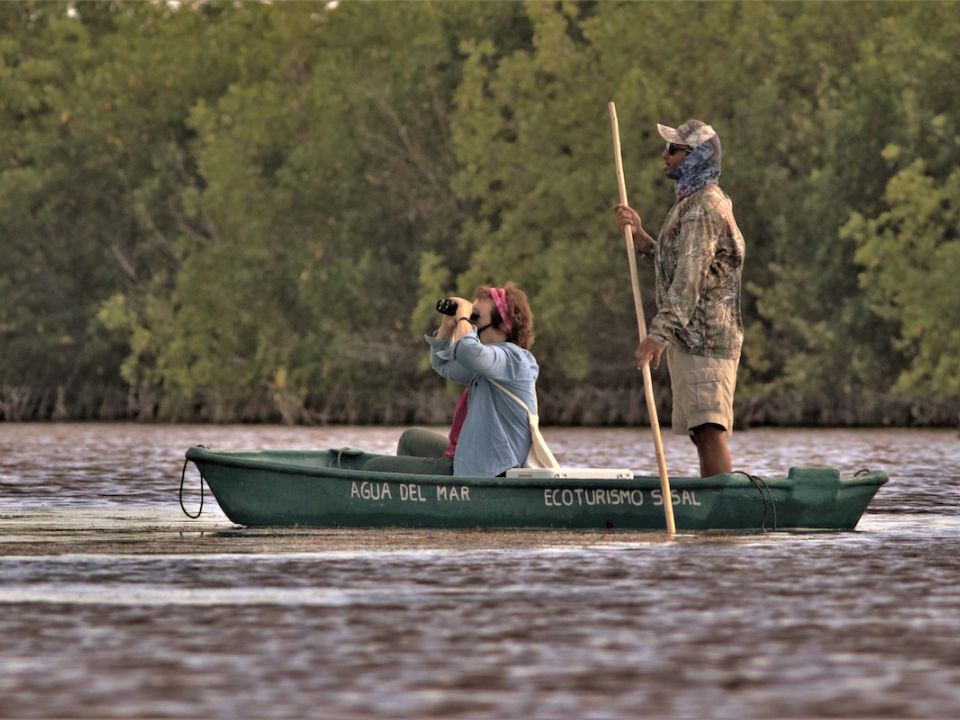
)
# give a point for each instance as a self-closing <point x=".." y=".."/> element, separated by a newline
<point x="642" y="328"/>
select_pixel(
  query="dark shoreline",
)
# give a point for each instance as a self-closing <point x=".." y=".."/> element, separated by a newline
<point x="579" y="405"/>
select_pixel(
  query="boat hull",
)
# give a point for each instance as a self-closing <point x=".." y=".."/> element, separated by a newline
<point x="330" y="489"/>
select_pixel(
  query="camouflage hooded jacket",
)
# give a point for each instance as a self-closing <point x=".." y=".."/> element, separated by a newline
<point x="698" y="260"/>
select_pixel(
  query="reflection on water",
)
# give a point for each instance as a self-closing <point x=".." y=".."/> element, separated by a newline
<point x="116" y="605"/>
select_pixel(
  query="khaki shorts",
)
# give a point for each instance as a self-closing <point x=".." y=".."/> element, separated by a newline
<point x="702" y="390"/>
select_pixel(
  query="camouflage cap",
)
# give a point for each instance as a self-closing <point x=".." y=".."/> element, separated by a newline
<point x="692" y="133"/>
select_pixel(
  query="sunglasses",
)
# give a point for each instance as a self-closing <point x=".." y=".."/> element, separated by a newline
<point x="674" y="149"/>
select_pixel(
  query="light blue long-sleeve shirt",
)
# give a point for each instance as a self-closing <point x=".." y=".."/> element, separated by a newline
<point x="496" y="433"/>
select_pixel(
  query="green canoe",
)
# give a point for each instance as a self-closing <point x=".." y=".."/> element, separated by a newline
<point x="330" y="489"/>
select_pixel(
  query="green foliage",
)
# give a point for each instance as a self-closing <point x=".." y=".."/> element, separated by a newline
<point x="911" y="252"/>
<point x="246" y="210"/>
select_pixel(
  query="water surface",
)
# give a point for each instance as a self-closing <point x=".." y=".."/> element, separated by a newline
<point x="114" y="604"/>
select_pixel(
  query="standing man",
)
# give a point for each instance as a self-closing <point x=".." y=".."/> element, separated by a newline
<point x="698" y="258"/>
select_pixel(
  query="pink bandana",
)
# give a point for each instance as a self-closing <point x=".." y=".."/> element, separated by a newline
<point x="499" y="296"/>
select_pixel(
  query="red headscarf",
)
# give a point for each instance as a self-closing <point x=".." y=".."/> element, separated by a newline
<point x="499" y="296"/>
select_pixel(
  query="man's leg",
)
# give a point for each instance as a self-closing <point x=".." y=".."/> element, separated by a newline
<point x="703" y="406"/>
<point x="711" y="442"/>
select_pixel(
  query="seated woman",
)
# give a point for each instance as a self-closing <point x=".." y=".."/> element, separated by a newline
<point x="490" y="432"/>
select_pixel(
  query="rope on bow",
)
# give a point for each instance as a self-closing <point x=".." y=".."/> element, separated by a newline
<point x="183" y="474"/>
<point x="767" y="497"/>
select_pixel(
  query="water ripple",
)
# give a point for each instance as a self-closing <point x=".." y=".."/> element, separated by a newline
<point x="115" y="605"/>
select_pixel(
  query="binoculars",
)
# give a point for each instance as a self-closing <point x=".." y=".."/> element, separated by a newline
<point x="449" y="307"/>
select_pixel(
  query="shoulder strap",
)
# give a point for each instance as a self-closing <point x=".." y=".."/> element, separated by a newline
<point x="540" y="455"/>
<point x="516" y="399"/>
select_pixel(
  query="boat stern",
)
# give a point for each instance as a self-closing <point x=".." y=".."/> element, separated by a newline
<point x="819" y="498"/>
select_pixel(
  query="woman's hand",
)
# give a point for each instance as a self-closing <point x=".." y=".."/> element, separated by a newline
<point x="462" y="318"/>
<point x="464" y="308"/>
<point x="451" y="326"/>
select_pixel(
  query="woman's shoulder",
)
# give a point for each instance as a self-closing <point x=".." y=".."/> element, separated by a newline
<point x="521" y="357"/>
<point x="518" y="351"/>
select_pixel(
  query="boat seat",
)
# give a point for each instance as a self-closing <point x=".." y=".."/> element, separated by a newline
<point x="572" y="472"/>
